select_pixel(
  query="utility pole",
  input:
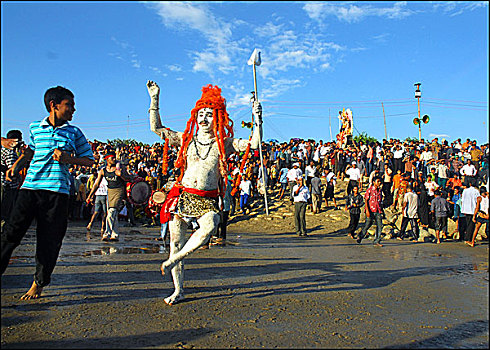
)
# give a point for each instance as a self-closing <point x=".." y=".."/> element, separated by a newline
<point x="418" y="94"/>
<point x="384" y="119"/>
<point x="127" y="130"/>
<point x="330" y="124"/>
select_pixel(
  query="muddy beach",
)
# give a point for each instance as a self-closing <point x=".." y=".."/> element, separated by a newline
<point x="266" y="288"/>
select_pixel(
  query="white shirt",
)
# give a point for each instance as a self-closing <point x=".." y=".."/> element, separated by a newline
<point x="245" y="187"/>
<point x="323" y="151"/>
<point x="469" y="170"/>
<point x="412" y="205"/>
<point x="293" y="174"/>
<point x="354" y="173"/>
<point x="431" y="187"/>
<point x="102" y="190"/>
<point x="329" y="177"/>
<point x="310" y="171"/>
<point x="468" y="200"/>
<point x="442" y="171"/>
<point x="398" y="153"/>
<point x="303" y="194"/>
<point x="426" y="155"/>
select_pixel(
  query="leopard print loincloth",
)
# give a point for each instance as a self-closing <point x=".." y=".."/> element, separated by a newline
<point x="193" y="205"/>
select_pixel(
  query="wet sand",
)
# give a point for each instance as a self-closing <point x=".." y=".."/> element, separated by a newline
<point x="268" y="288"/>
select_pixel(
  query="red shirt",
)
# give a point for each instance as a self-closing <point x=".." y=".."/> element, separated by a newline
<point x="374" y="199"/>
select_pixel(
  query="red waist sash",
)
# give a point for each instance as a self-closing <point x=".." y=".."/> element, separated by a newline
<point x="173" y="196"/>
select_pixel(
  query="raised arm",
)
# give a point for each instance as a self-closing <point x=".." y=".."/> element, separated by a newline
<point x="175" y="138"/>
<point x="240" y="145"/>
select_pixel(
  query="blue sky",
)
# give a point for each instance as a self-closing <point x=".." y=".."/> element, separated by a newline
<point x="317" y="58"/>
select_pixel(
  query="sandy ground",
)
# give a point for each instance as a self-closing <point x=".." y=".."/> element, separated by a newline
<point x="267" y="288"/>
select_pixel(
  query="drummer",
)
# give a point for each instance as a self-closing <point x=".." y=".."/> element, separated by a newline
<point x="116" y="177"/>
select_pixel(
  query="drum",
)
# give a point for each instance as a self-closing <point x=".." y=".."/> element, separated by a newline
<point x="138" y="191"/>
<point x="158" y="197"/>
<point x="155" y="203"/>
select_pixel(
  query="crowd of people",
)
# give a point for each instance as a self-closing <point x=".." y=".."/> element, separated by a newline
<point x="425" y="182"/>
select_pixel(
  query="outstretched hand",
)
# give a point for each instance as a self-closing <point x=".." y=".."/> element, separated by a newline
<point x="153" y="89"/>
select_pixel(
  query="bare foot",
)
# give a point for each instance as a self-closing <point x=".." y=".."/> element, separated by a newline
<point x="174" y="299"/>
<point x="33" y="293"/>
<point x="438" y="242"/>
<point x="378" y="245"/>
<point x="89" y="227"/>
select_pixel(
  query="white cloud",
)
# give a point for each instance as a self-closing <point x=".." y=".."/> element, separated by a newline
<point x="174" y="68"/>
<point x="439" y="135"/>
<point x="454" y="8"/>
<point x="223" y="53"/>
<point x="217" y="32"/>
<point x="351" y="13"/>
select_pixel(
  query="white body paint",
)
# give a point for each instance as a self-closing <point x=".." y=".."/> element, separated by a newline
<point x="202" y="173"/>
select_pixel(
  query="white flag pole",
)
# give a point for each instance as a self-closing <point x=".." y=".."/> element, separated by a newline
<point x="255" y="60"/>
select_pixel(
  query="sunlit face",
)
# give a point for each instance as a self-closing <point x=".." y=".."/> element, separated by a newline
<point x="205" y="119"/>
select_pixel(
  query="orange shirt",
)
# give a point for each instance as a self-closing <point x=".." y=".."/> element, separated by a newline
<point x="396" y="180"/>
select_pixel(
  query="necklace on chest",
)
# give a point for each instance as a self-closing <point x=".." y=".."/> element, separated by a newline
<point x="209" y="145"/>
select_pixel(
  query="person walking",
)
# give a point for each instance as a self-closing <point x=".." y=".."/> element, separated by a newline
<point x="316" y="193"/>
<point x="245" y="194"/>
<point x="44" y="195"/>
<point x="468" y="205"/>
<point x="410" y="214"/>
<point x="301" y="195"/>
<point x="480" y="216"/>
<point x="116" y="177"/>
<point x="353" y="204"/>
<point x="100" y="206"/>
<point x="374" y="211"/>
<point x="330" y="188"/>
<point x="440" y="207"/>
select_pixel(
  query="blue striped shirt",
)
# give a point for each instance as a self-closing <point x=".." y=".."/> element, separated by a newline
<point x="44" y="172"/>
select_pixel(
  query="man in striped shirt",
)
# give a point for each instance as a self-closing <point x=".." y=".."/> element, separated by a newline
<point x="44" y="195"/>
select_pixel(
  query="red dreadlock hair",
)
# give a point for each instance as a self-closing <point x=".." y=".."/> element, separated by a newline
<point x="223" y="127"/>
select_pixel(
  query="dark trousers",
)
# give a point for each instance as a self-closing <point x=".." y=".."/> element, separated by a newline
<point x="50" y="209"/>
<point x="221" y="231"/>
<point x="351" y="185"/>
<point x="354" y="222"/>
<point x="9" y="196"/>
<point x="470" y="227"/>
<point x="413" y="224"/>
<point x="374" y="217"/>
<point x="300" y="217"/>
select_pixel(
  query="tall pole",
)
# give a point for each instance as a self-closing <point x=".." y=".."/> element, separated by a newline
<point x="330" y="124"/>
<point x="420" y="121"/>
<point x="260" y="147"/>
<point x="384" y="119"/>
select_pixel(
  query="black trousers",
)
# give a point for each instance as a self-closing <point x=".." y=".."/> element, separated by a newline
<point x="351" y="185"/>
<point x="470" y="227"/>
<point x="354" y="222"/>
<point x="221" y="231"/>
<point x="9" y="195"/>
<point x="413" y="224"/>
<point x="51" y="212"/>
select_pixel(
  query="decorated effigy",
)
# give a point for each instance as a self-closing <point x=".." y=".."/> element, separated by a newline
<point x="344" y="137"/>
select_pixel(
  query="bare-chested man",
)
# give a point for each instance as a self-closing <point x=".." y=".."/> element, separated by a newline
<point x="202" y="164"/>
